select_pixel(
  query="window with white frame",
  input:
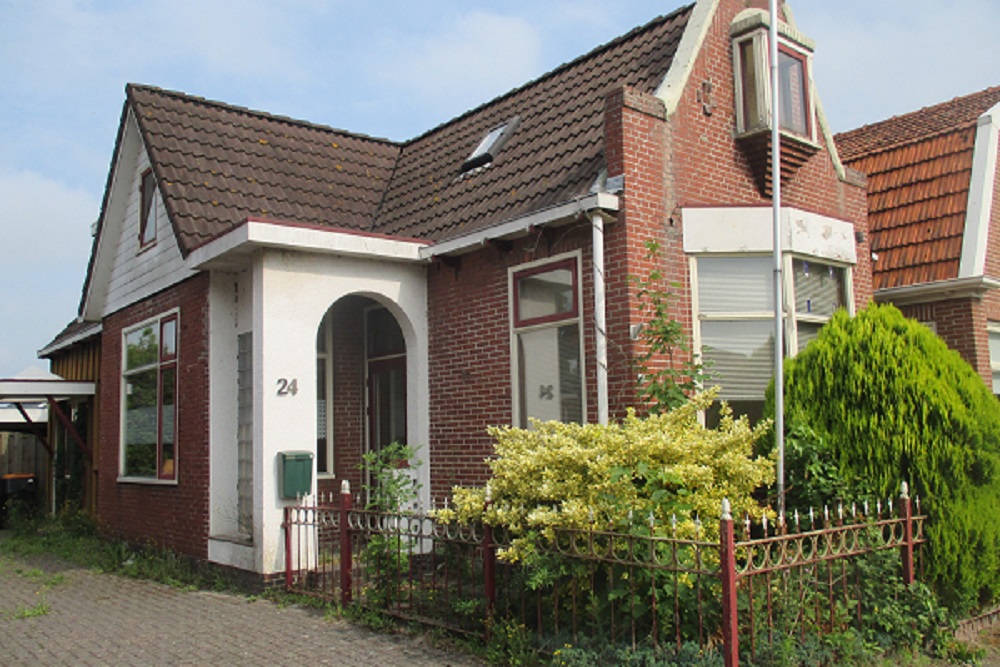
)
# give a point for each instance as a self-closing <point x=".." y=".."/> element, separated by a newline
<point x="736" y="318"/>
<point x="994" y="334"/>
<point x="149" y="399"/>
<point x="753" y="86"/>
<point x="147" y="210"/>
<point x="548" y="361"/>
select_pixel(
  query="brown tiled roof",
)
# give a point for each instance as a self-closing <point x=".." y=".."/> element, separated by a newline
<point x="217" y="165"/>
<point x="554" y="155"/>
<point x="919" y="166"/>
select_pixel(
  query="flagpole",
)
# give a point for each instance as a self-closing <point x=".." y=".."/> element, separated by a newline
<point x="779" y="328"/>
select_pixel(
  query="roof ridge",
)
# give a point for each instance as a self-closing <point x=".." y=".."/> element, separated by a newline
<point x="849" y="135"/>
<point x="204" y="101"/>
<point x="901" y="143"/>
<point x="631" y="34"/>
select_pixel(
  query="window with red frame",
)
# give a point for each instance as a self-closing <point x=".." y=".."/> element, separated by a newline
<point x="149" y="400"/>
<point x="548" y="365"/>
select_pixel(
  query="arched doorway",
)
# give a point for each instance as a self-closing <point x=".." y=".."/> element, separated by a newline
<point x="361" y="396"/>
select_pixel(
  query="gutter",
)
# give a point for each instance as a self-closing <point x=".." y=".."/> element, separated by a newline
<point x="939" y="290"/>
<point x="559" y="214"/>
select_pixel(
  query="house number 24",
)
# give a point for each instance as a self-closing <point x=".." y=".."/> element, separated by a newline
<point x="288" y="387"/>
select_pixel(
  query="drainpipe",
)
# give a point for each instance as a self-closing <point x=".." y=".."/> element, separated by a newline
<point x="600" y="319"/>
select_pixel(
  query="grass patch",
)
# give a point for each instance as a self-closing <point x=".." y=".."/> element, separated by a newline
<point x="39" y="609"/>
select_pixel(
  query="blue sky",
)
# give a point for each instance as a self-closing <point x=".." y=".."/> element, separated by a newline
<point x="390" y="68"/>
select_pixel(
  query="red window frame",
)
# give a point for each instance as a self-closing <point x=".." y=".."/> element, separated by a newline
<point x="573" y="313"/>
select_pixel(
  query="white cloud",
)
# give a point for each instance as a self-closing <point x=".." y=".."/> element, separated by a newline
<point x="479" y="56"/>
<point x="45" y="232"/>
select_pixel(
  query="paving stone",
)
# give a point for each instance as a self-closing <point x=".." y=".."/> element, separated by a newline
<point x="103" y="619"/>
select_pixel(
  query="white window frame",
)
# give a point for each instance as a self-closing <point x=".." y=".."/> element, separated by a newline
<point x="791" y="317"/>
<point x="577" y="258"/>
<point x="124" y="372"/>
<point x="761" y="55"/>
<point x="326" y="330"/>
<point x="993" y="329"/>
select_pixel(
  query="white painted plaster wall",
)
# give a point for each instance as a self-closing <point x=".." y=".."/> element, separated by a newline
<point x="750" y="229"/>
<point x="230" y="314"/>
<point x="292" y="292"/>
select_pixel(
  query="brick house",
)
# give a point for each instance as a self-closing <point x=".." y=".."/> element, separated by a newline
<point x="934" y="219"/>
<point x="264" y="284"/>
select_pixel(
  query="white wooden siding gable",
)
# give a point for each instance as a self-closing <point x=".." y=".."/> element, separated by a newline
<point x="124" y="274"/>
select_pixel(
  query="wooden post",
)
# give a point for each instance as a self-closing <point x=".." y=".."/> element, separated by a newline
<point x="346" y="579"/>
<point x="727" y="569"/>
<point x="906" y="513"/>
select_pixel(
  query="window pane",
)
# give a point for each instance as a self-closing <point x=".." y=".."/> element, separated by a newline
<point x="140" y="424"/>
<point x="735" y="284"/>
<point x="995" y="349"/>
<point x="752" y="113"/>
<point x="549" y="373"/>
<point x="819" y="288"/>
<point x="545" y="294"/>
<point x="321" y="425"/>
<point x="169" y="337"/>
<point x="791" y="71"/>
<point x="807" y="333"/>
<point x="741" y="356"/>
<point x="142" y="347"/>
<point x="168" y="402"/>
<point x="147" y="221"/>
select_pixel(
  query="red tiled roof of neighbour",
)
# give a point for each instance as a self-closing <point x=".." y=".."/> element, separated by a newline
<point x="919" y="167"/>
<point x="217" y="165"/>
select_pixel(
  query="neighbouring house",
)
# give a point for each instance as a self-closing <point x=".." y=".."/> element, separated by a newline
<point x="934" y="219"/>
<point x="262" y="287"/>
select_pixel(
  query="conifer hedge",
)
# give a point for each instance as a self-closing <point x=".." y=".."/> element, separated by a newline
<point x="882" y="399"/>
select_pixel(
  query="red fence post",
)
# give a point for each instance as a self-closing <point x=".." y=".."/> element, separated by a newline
<point x="345" y="543"/>
<point x="906" y="513"/>
<point x="727" y="570"/>
<point x="288" y="549"/>
<point x="489" y="569"/>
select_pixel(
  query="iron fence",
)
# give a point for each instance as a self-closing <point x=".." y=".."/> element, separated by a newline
<point x="652" y="585"/>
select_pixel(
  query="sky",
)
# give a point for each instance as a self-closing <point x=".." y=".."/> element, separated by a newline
<point x="387" y="68"/>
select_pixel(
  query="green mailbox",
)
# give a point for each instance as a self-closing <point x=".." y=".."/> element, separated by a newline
<point x="296" y="474"/>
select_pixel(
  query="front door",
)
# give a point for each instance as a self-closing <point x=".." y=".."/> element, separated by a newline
<point x="386" y="353"/>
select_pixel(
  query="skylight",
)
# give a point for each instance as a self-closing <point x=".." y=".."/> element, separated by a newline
<point x="490" y="145"/>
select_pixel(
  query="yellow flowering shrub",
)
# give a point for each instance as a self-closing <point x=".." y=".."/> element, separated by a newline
<point x="618" y="476"/>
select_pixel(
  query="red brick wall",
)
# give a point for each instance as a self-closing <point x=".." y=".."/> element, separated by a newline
<point x="710" y="168"/>
<point x="173" y="516"/>
<point x="348" y="393"/>
<point x="691" y="159"/>
<point x="961" y="323"/>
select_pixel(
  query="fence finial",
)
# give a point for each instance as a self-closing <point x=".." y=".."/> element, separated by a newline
<point x="345" y="486"/>
<point x="726" y="510"/>
<point x="489" y="493"/>
<point x="904" y="490"/>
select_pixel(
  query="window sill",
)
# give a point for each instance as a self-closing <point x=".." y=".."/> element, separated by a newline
<point x="148" y="481"/>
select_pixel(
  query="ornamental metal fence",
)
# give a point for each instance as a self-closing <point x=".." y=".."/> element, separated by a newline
<point x="656" y="585"/>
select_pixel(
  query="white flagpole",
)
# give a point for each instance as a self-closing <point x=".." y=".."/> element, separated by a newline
<point x="779" y="328"/>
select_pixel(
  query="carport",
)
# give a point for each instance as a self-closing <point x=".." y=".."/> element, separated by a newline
<point x="43" y="404"/>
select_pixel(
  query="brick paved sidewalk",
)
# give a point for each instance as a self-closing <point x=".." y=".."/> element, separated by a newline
<point x="104" y="619"/>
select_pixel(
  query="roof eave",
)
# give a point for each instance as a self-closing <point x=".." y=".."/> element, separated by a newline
<point x="235" y="248"/>
<point x="519" y="226"/>
<point x="938" y="290"/>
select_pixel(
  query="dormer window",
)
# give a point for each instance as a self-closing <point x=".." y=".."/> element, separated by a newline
<point x="753" y="85"/>
<point x="749" y="32"/>
<point x="490" y="145"/>
<point x="147" y="213"/>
